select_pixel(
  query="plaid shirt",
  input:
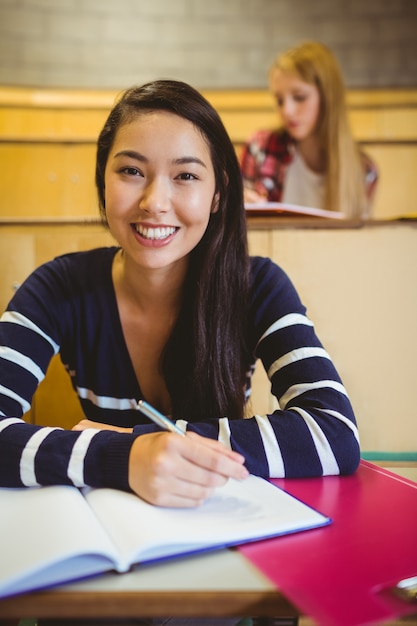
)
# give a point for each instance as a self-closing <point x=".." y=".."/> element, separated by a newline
<point x="265" y="160"/>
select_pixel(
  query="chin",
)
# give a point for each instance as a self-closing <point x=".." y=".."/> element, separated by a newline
<point x="297" y="134"/>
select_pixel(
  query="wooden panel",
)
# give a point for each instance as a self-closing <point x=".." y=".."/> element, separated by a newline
<point x="17" y="260"/>
<point x="92" y="607"/>
<point x="260" y="242"/>
<point x="23" y="248"/>
<point x="381" y="97"/>
<point x="51" y="241"/>
<point x="359" y="289"/>
<point x="47" y="179"/>
<point x="377" y="125"/>
<point x="55" y="402"/>
<point x="261" y="400"/>
<point x="242" y="124"/>
<point x="397" y="165"/>
<point x="58" y="124"/>
<point x="41" y="124"/>
<point x="56" y="98"/>
<point x="220" y="98"/>
<point x="384" y="125"/>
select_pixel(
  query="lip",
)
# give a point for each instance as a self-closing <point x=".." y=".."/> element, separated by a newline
<point x="154" y="243"/>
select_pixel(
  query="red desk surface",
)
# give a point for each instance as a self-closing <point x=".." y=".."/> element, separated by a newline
<point x="341" y="575"/>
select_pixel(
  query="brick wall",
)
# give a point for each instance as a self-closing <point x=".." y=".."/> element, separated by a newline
<point x="209" y="43"/>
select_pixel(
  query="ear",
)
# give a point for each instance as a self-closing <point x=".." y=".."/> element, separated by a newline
<point x="215" y="203"/>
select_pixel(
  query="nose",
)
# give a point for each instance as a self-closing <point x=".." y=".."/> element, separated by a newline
<point x="155" y="197"/>
<point x="287" y="107"/>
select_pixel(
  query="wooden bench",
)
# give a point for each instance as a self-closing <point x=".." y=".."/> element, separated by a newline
<point x="47" y="144"/>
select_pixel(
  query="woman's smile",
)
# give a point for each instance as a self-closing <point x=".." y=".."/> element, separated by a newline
<point x="157" y="235"/>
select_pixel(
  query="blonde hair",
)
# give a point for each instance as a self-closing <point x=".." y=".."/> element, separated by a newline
<point x="314" y="63"/>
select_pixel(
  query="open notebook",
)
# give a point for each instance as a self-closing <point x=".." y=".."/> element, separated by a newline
<point x="285" y="209"/>
<point x="51" y="535"/>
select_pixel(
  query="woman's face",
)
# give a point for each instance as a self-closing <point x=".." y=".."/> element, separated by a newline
<point x="298" y="103"/>
<point x="159" y="189"/>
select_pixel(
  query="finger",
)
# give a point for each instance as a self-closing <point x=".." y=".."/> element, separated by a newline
<point x="251" y="195"/>
<point x="191" y="474"/>
<point x="217" y="445"/>
<point x="182" y="458"/>
<point x="210" y="462"/>
<point x="178" y="493"/>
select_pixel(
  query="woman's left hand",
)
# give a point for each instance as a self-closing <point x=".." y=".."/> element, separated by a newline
<point x="84" y="424"/>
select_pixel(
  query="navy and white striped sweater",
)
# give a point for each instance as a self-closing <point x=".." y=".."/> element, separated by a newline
<point x="68" y="306"/>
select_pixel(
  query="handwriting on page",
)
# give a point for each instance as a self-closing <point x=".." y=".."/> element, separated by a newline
<point x="220" y="505"/>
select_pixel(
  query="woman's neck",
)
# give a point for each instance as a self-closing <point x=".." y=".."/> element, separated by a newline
<point x="312" y="154"/>
<point x="149" y="288"/>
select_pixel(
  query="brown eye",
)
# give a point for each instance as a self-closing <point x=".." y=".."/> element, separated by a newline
<point x="130" y="171"/>
<point x="187" y="176"/>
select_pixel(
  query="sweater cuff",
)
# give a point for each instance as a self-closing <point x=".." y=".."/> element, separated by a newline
<point x="107" y="461"/>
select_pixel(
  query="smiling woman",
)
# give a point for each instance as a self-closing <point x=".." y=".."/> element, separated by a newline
<point x="176" y="314"/>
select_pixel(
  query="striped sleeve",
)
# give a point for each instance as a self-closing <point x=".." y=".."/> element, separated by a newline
<point x="32" y="455"/>
<point x="313" y="432"/>
<point x="25" y="352"/>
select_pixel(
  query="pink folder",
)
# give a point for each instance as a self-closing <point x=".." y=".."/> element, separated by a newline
<point x="342" y="575"/>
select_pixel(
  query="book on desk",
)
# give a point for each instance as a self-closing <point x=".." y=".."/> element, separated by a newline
<point x="56" y="534"/>
<point x="289" y="210"/>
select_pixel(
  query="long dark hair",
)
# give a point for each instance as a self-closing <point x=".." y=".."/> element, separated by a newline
<point x="205" y="360"/>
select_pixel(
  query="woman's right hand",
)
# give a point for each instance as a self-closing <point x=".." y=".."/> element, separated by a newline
<point x="166" y="469"/>
<point x="250" y="195"/>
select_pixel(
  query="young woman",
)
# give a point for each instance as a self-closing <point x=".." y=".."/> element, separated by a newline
<point x="177" y="314"/>
<point x="312" y="159"/>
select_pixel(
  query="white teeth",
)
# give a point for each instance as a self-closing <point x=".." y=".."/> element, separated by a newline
<point x="154" y="233"/>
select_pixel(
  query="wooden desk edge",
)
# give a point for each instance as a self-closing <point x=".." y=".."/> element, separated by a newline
<point x="125" y="604"/>
<point x="254" y="222"/>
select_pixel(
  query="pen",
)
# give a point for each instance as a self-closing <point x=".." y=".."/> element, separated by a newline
<point x="158" y="418"/>
<point x="407" y="589"/>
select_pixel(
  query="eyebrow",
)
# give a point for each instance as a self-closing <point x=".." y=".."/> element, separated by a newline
<point x="140" y="157"/>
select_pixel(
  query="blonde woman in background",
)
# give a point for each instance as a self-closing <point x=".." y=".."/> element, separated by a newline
<point x="312" y="159"/>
